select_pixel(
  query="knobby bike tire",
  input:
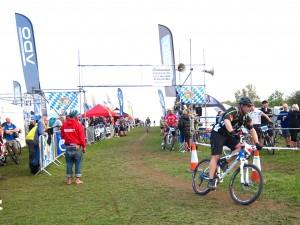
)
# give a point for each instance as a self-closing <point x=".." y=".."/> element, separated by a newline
<point x="200" y="177"/>
<point x="14" y="155"/>
<point x="269" y="143"/>
<point x="172" y="142"/>
<point x="246" y="187"/>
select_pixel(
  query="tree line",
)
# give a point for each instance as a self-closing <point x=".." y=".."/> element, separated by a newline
<point x="275" y="99"/>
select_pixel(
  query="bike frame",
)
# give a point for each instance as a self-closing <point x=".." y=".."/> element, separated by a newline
<point x="242" y="159"/>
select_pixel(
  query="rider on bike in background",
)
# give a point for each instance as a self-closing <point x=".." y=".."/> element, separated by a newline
<point x="147" y="124"/>
<point x="171" y="120"/>
<point x="257" y="116"/>
<point x="224" y="133"/>
<point x="264" y="121"/>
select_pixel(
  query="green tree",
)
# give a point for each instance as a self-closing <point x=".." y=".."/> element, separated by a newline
<point x="294" y="98"/>
<point x="276" y="99"/>
<point x="249" y="91"/>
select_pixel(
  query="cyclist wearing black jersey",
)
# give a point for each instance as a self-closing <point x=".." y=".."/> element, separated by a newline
<point x="224" y="133"/>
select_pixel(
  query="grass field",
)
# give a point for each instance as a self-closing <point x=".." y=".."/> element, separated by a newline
<point x="130" y="180"/>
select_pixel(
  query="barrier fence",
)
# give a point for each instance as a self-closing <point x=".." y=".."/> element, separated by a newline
<point x="52" y="147"/>
<point x="203" y="138"/>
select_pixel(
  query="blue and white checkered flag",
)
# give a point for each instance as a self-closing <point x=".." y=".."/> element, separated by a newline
<point x="62" y="101"/>
<point x="191" y="95"/>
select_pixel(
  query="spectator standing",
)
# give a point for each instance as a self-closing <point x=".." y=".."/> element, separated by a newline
<point x="32" y="142"/>
<point x="162" y="125"/>
<point x="41" y="130"/>
<point x="284" y="123"/>
<point x="73" y="134"/>
<point x="184" y="126"/>
<point x="294" y="123"/>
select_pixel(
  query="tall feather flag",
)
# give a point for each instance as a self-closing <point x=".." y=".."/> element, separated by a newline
<point x="121" y="101"/>
<point x="162" y="101"/>
<point x="167" y="56"/>
<point x="109" y="103"/>
<point x="130" y="108"/>
<point x="17" y="93"/>
<point x="28" y="53"/>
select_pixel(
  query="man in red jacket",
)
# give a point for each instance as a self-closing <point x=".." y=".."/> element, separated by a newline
<point x="73" y="134"/>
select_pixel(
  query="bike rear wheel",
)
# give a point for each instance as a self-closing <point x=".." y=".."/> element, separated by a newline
<point x="200" y="177"/>
<point x="246" y="185"/>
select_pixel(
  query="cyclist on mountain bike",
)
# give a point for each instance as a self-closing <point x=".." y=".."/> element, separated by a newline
<point x="171" y="120"/>
<point x="257" y="116"/>
<point x="224" y="133"/>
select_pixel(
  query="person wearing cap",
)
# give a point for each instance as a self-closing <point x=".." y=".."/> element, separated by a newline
<point x="73" y="134"/>
<point x="224" y="133"/>
<point x="266" y="110"/>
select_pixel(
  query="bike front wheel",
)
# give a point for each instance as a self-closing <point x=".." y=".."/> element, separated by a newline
<point x="246" y="185"/>
<point x="200" y="177"/>
<point x="269" y="143"/>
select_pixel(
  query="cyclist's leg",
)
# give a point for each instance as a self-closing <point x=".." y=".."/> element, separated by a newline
<point x="217" y="142"/>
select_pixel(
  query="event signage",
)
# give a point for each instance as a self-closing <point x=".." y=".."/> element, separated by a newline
<point x="121" y="101"/>
<point x="167" y="49"/>
<point x="28" y="53"/>
<point x="162" y="75"/>
<point x="162" y="101"/>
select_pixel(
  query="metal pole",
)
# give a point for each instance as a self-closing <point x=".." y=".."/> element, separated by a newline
<point x="79" y="80"/>
<point x="205" y="112"/>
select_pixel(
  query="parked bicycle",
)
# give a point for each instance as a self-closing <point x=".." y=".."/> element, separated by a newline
<point x="13" y="150"/>
<point x="244" y="188"/>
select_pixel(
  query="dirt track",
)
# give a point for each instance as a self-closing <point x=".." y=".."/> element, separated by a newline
<point x="136" y="159"/>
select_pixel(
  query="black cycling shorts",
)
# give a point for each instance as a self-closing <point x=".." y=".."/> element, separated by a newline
<point x="217" y="142"/>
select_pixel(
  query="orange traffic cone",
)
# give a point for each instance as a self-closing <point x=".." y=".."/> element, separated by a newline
<point x="256" y="162"/>
<point x="194" y="158"/>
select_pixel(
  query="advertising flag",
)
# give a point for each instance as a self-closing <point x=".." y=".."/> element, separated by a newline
<point x="167" y="54"/>
<point x="17" y="93"/>
<point x="162" y="101"/>
<point x="28" y="53"/>
<point x="121" y="102"/>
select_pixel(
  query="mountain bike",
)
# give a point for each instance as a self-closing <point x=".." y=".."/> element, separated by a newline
<point x="246" y="182"/>
<point x="170" y="139"/>
<point x="268" y="140"/>
<point x="14" y="153"/>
